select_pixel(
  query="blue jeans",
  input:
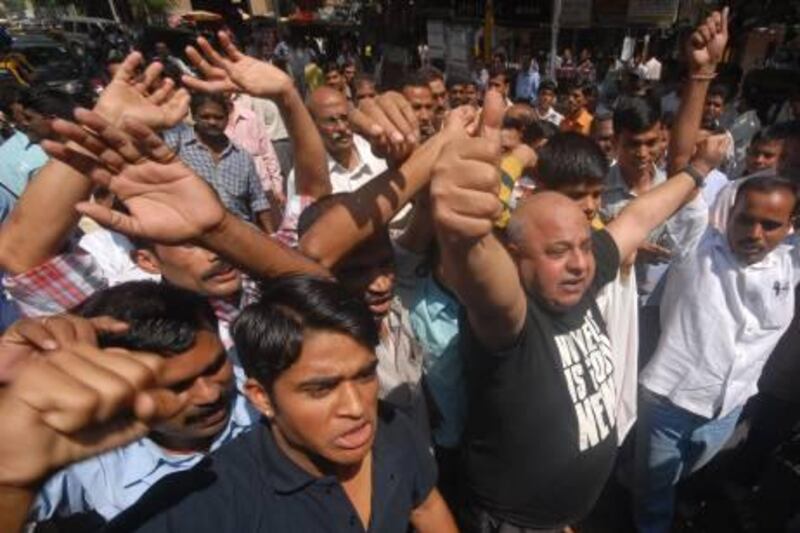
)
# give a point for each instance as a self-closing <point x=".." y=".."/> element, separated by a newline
<point x="670" y="442"/>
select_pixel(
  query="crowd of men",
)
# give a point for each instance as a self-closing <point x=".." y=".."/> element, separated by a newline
<point x="232" y="308"/>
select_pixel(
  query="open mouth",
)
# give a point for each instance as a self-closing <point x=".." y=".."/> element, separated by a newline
<point x="355" y="438"/>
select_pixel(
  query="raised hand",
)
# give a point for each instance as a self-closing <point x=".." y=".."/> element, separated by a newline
<point x="151" y="100"/>
<point x="389" y="123"/>
<point x="711" y="151"/>
<point x="75" y="402"/>
<point x="166" y="201"/>
<point x="234" y="71"/>
<point x="29" y="336"/>
<point x="707" y="44"/>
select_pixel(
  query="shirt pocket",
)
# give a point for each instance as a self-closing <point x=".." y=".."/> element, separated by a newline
<point x="771" y="298"/>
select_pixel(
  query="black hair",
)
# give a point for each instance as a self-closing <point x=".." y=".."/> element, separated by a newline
<point x="457" y="79"/>
<point x="331" y="66"/>
<point x="10" y="95"/>
<point x="636" y="114"/>
<point x="601" y="115"/>
<point x="719" y="89"/>
<point x="548" y="85"/>
<point x="198" y="99"/>
<point x="269" y="334"/>
<point x="536" y="131"/>
<point x="499" y="71"/>
<point x="768" y="184"/>
<point x="162" y="318"/>
<point x="415" y="80"/>
<point x="569" y="159"/>
<point x="49" y="102"/>
<point x="789" y="129"/>
<point x="431" y="74"/>
<point x="767" y="135"/>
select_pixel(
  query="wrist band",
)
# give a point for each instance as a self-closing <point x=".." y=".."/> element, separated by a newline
<point x="698" y="177"/>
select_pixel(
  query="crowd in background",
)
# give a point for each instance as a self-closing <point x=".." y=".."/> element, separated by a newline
<point x="289" y="295"/>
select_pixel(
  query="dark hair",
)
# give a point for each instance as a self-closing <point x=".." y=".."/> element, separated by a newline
<point x="331" y="66"/>
<point x="457" y="79"/>
<point x="415" y="80"/>
<point x="49" y="102"/>
<point x="767" y="135"/>
<point x="162" y="318"/>
<point x="536" y="131"/>
<point x="768" y="184"/>
<point x="548" y="85"/>
<point x="789" y="129"/>
<point x="9" y="96"/>
<point x="363" y="78"/>
<point x="719" y="89"/>
<point x="601" y="115"/>
<point x="269" y="334"/>
<point x="198" y="99"/>
<point x="570" y="159"/>
<point x="636" y="114"/>
<point x="499" y="71"/>
<point x="431" y="74"/>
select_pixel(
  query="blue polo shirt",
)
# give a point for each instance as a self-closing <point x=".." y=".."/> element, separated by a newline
<point x="249" y="485"/>
<point x="20" y="159"/>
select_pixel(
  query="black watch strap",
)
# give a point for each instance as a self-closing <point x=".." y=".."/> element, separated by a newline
<point x="698" y="177"/>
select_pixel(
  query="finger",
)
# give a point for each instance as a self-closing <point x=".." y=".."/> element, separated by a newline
<point x="202" y="64"/>
<point x="64" y="331"/>
<point x="395" y="110"/>
<point x="107" y="324"/>
<point x="150" y="143"/>
<point x="151" y="75"/>
<point x="176" y="108"/>
<point x="110" y="219"/>
<point x="127" y="70"/>
<point x="156" y="405"/>
<point x="120" y="148"/>
<point x="409" y="117"/>
<point x="207" y="86"/>
<point x="364" y="125"/>
<point x="378" y="116"/>
<point x="112" y="392"/>
<point x="79" y="135"/>
<point x="77" y="160"/>
<point x="492" y="116"/>
<point x="33" y="332"/>
<point x="476" y="204"/>
<point x="211" y="55"/>
<point x="706" y="33"/>
<point x="228" y="47"/>
<point x="724" y="21"/>
<point x="716" y="21"/>
<point x="164" y="91"/>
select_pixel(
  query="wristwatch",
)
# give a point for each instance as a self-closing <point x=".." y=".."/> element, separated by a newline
<point x="698" y="177"/>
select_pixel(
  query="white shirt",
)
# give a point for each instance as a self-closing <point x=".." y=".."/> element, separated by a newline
<point x="652" y="69"/>
<point x="112" y="252"/>
<point x="552" y="116"/>
<point x="720" y="319"/>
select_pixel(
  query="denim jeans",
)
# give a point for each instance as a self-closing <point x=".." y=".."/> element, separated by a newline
<point x="670" y="442"/>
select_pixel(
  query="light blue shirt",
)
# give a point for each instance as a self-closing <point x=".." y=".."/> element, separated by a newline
<point x="19" y="161"/>
<point x="527" y="84"/>
<point x="112" y="482"/>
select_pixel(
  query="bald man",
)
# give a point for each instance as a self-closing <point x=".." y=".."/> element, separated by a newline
<point x="350" y="160"/>
<point x="540" y="439"/>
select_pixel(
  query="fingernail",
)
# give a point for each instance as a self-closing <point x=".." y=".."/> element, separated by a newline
<point x="49" y="345"/>
<point x="397" y="137"/>
<point x="411" y="138"/>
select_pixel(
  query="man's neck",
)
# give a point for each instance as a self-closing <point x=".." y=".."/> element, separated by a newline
<point x="177" y="447"/>
<point x="576" y="114"/>
<point x="217" y="145"/>
<point x="347" y="159"/>
<point x="636" y="180"/>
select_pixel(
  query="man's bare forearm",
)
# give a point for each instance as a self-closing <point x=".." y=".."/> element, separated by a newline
<point x="683" y="137"/>
<point x="257" y="253"/>
<point x="358" y="215"/>
<point x="43" y="218"/>
<point x="310" y="162"/>
<point x="14" y="505"/>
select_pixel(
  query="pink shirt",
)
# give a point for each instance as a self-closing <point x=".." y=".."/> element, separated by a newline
<point x="247" y="131"/>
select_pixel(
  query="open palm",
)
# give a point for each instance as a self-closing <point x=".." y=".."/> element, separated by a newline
<point x="149" y="99"/>
<point x="234" y="71"/>
<point x="166" y="201"/>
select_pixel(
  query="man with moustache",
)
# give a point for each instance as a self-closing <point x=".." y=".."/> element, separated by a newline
<point x="419" y="94"/>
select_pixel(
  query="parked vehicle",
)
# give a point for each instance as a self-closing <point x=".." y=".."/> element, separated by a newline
<point x="52" y="63"/>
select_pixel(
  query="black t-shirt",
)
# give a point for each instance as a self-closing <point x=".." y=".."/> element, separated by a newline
<point x="540" y="437"/>
<point x="249" y="485"/>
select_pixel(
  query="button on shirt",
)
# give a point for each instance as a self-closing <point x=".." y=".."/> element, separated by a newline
<point x="234" y="176"/>
<point x="112" y="482"/>
<point x="250" y="485"/>
<point x="720" y="318"/>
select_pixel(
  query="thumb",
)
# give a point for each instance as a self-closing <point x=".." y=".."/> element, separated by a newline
<point x="492" y="116"/>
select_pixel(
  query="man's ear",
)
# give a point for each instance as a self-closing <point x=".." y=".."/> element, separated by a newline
<point x="259" y="398"/>
<point x="147" y="260"/>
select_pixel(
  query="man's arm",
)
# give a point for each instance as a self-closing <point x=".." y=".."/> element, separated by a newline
<point x="433" y="516"/>
<point x="645" y="213"/>
<point x="237" y="72"/>
<point x="704" y="51"/>
<point x="44" y="216"/>
<point x="476" y="265"/>
<point x="168" y="203"/>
